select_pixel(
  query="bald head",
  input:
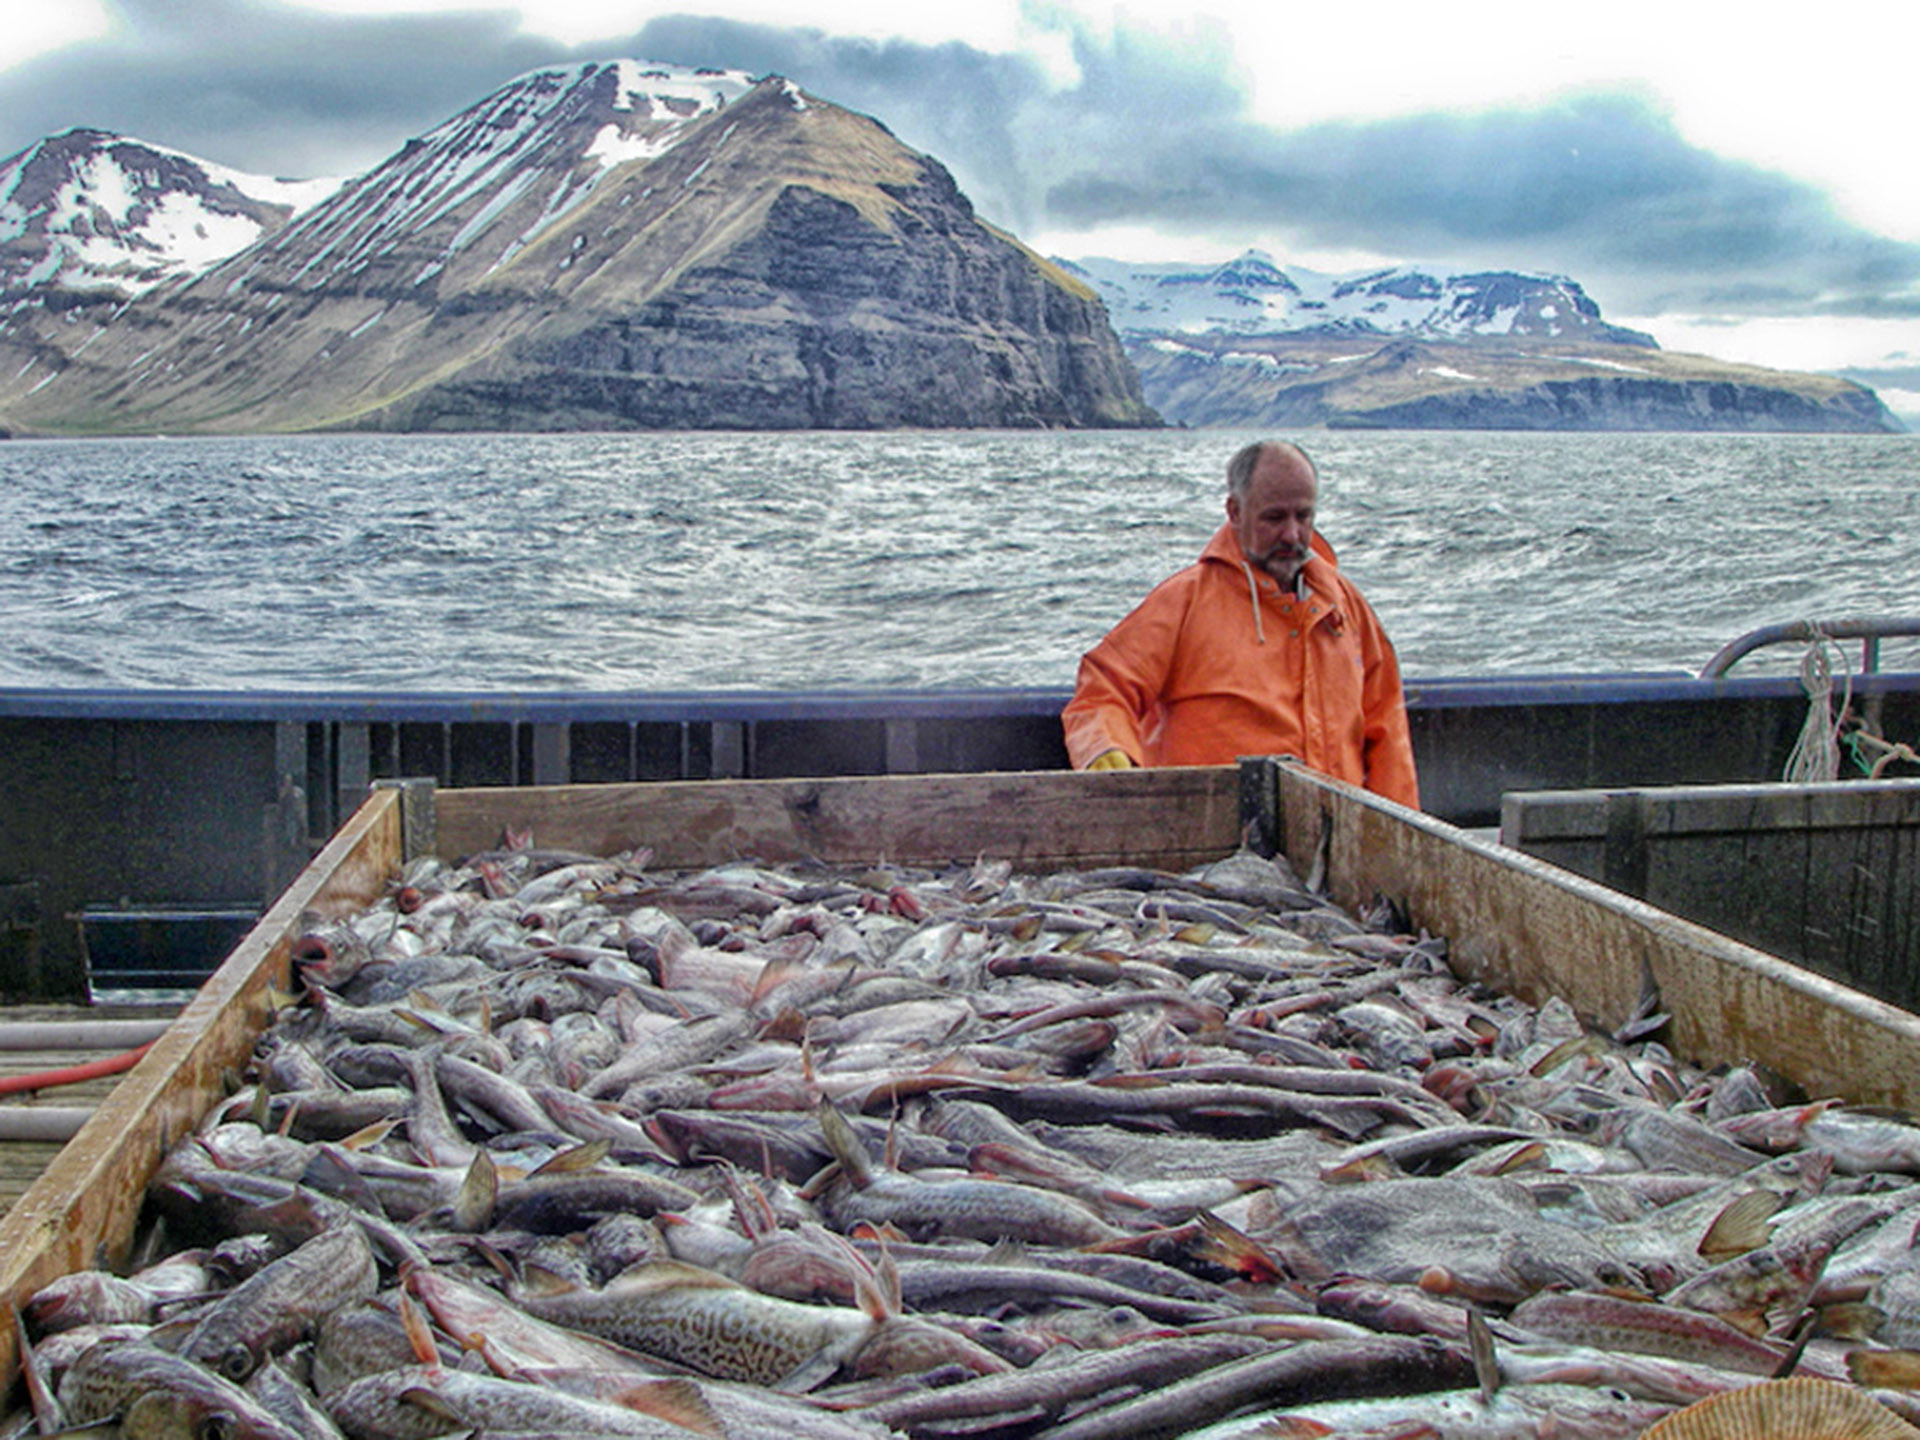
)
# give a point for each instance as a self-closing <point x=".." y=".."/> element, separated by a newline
<point x="1241" y="467"/>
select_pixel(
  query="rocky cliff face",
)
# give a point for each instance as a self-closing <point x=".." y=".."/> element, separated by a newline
<point x="615" y="246"/>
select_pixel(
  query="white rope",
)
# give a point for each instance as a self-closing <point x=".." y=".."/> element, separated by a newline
<point x="1816" y="754"/>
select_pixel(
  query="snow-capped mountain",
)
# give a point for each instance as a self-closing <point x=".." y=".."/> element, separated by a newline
<point x="532" y="152"/>
<point x="627" y="245"/>
<point x="605" y="245"/>
<point x="1252" y="295"/>
<point x="88" y="211"/>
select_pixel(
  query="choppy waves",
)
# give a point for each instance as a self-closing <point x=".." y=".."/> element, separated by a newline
<point x="939" y="559"/>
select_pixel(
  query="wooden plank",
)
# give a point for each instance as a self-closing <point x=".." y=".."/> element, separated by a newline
<point x="1533" y="930"/>
<point x="1041" y="820"/>
<point x="81" y="1210"/>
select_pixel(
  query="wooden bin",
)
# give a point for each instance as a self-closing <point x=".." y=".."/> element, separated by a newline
<point x="1517" y="923"/>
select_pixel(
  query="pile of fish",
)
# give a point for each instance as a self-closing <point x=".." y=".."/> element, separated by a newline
<point x="560" y="1145"/>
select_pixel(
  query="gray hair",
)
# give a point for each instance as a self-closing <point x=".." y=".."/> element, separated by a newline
<point x="1240" y="468"/>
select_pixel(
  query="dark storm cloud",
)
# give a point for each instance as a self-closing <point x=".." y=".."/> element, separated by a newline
<point x="265" y="87"/>
<point x="1602" y="187"/>
<point x="1153" y="132"/>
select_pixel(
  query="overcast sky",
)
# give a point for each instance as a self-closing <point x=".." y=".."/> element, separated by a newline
<point x="1737" y="187"/>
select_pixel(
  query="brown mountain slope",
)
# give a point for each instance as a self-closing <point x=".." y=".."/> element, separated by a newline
<point x="772" y="262"/>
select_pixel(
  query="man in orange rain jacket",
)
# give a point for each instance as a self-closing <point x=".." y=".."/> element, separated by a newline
<point x="1262" y="648"/>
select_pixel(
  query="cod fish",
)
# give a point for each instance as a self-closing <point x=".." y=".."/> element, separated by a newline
<point x="1475" y="1238"/>
<point x="157" y="1395"/>
<point x="711" y="1324"/>
<point x="280" y="1303"/>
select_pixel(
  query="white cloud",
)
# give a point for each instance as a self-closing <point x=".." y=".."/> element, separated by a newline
<point x="984" y="23"/>
<point x="36" y="27"/>
<point x="1783" y="343"/>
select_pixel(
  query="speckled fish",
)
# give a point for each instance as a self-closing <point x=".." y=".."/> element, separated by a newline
<point x="1517" y="1412"/>
<point x="158" y="1395"/>
<point x="282" y="1302"/>
<point x="709" y="1323"/>
<point x="967" y="1208"/>
<point x="419" y="1403"/>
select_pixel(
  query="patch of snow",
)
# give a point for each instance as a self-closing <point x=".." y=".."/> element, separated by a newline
<point x="1447" y="372"/>
<point x="611" y="146"/>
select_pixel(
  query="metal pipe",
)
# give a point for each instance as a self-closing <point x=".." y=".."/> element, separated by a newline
<point x="1871" y="628"/>
<point x="59" y="1123"/>
<point x="80" y="1034"/>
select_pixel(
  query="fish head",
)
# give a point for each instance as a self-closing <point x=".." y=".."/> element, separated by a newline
<point x="907" y="1345"/>
<point x="166" y="1413"/>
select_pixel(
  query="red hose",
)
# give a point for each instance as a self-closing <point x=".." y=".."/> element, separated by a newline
<point x="73" y="1074"/>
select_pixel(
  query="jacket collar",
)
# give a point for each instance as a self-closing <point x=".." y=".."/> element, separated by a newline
<point x="1224" y="548"/>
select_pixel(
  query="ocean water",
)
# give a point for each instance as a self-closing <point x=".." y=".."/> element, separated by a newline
<point x="817" y="560"/>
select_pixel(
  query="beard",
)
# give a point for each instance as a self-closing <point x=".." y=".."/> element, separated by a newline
<point x="1283" y="562"/>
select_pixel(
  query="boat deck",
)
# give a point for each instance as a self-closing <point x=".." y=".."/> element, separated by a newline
<point x="21" y="1161"/>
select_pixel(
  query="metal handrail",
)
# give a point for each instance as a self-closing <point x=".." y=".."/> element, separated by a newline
<point x="1871" y="629"/>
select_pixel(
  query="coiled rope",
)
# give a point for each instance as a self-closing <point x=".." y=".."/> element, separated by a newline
<point x="1816" y="754"/>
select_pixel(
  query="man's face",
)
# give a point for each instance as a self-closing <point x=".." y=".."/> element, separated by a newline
<point x="1274" y="520"/>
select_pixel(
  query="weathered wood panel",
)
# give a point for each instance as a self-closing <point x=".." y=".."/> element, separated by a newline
<point x="1041" y="820"/>
<point x="81" y="1210"/>
<point x="1533" y="930"/>
<point x="1822" y="875"/>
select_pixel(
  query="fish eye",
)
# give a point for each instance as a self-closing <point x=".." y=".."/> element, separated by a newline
<point x="236" y="1363"/>
<point x="217" y="1426"/>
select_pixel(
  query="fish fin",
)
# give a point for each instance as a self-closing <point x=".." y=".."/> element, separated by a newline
<point x="1851" y="1319"/>
<point x="368" y="1136"/>
<point x="1292" y="1427"/>
<point x="751" y="1207"/>
<point x="1752" y="1320"/>
<point x="1234" y="1250"/>
<point x="786" y="1024"/>
<point x="888" y="1275"/>
<point x="1885" y="1369"/>
<point x="1360" y="1169"/>
<point x="1560" y="1054"/>
<point x="809" y="1374"/>
<point x="479" y="1192"/>
<point x="1486" y="1365"/>
<point x="1526" y="1157"/>
<point x="425" y="1397"/>
<point x="678" y="1401"/>
<point x="1138" y="1080"/>
<point x="845" y="1145"/>
<point x="539" y="1283"/>
<point x="47" y="1413"/>
<point x="419" y="1336"/>
<point x="574" y="1159"/>
<point x="651" y="1275"/>
<point x="772" y="976"/>
<point x="1746" y="1224"/>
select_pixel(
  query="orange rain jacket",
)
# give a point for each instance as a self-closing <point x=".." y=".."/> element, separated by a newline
<point x="1217" y="663"/>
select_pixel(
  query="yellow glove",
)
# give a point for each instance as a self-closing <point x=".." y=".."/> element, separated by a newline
<point x="1110" y="760"/>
